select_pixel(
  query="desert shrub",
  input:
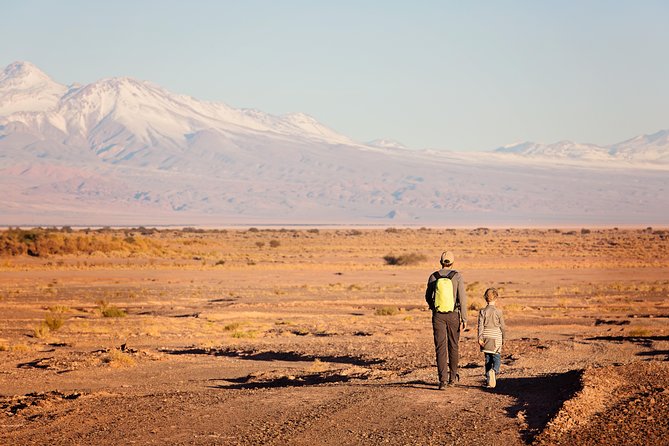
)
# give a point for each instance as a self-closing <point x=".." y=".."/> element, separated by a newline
<point x="41" y="331"/>
<point x="639" y="332"/>
<point x="232" y="326"/>
<point x="260" y="244"/>
<point x="471" y="287"/>
<point x="354" y="232"/>
<point x="3" y="348"/>
<point x="405" y="259"/>
<point x="392" y="230"/>
<point x="476" y="303"/>
<point x="59" y="309"/>
<point x="317" y="366"/>
<point x="513" y="307"/>
<point x="274" y="243"/>
<point x="313" y="231"/>
<point x="110" y="310"/>
<point x="585" y="231"/>
<point x="117" y="358"/>
<point x="219" y="262"/>
<point x="192" y="230"/>
<point x="113" y="311"/>
<point x="387" y="311"/>
<point x="244" y="334"/>
<point x="253" y="230"/>
<point x="45" y="242"/>
<point x="54" y="321"/>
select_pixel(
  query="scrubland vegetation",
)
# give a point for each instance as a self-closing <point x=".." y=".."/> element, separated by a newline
<point x="192" y="316"/>
<point x="53" y="242"/>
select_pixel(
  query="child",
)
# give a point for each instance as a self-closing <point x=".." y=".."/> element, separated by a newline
<point x="491" y="333"/>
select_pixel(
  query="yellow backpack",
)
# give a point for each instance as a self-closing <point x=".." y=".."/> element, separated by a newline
<point x="444" y="294"/>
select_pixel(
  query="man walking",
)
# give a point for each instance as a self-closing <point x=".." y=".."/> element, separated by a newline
<point x="446" y="297"/>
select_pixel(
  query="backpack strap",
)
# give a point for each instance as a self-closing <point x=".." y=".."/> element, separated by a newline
<point x="455" y="292"/>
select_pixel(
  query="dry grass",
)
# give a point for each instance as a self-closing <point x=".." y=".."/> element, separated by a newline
<point x="498" y="248"/>
<point x="250" y="334"/>
<point x="387" y="311"/>
<point x="472" y="287"/>
<point x="21" y="348"/>
<point x="639" y="332"/>
<point x="512" y="308"/>
<point x="117" y="358"/>
<point x="476" y="303"/>
<point x="54" y="321"/>
<point x="41" y="331"/>
<point x="317" y="366"/>
<point x="110" y="310"/>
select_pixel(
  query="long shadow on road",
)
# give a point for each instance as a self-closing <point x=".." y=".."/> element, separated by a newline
<point x="539" y="398"/>
<point x="270" y="355"/>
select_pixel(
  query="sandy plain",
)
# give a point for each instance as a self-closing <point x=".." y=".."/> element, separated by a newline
<point x="310" y="337"/>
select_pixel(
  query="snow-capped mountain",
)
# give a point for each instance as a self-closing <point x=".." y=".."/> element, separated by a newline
<point x="386" y="144"/>
<point x="123" y="151"/>
<point x="23" y="87"/>
<point x="652" y="148"/>
<point x="646" y="148"/>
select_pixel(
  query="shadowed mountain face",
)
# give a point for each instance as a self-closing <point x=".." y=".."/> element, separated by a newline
<point x="122" y="151"/>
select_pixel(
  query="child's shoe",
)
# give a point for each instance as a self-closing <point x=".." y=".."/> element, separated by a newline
<point x="492" y="382"/>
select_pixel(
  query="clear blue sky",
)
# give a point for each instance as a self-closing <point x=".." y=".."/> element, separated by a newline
<point x="430" y="74"/>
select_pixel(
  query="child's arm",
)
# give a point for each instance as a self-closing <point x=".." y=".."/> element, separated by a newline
<point x="480" y="328"/>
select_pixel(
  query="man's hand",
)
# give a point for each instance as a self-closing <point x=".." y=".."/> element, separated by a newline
<point x="463" y="325"/>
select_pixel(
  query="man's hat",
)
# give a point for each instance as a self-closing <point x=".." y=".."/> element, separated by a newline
<point x="447" y="257"/>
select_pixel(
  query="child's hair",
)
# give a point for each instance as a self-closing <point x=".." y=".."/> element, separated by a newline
<point x="491" y="294"/>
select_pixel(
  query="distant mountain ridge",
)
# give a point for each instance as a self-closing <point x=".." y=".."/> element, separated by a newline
<point x="644" y="148"/>
<point x="123" y="151"/>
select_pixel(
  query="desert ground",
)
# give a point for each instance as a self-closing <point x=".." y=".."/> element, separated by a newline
<point x="322" y="337"/>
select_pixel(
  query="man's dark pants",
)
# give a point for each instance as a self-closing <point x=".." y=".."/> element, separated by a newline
<point x="446" y="327"/>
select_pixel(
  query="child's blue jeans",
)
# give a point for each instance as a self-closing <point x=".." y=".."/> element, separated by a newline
<point x="492" y="361"/>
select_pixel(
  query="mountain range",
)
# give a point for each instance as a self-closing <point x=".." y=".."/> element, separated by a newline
<point x="120" y="151"/>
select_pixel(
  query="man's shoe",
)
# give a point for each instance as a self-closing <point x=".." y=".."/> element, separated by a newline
<point x="452" y="381"/>
<point x="492" y="382"/>
<point x="442" y="386"/>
